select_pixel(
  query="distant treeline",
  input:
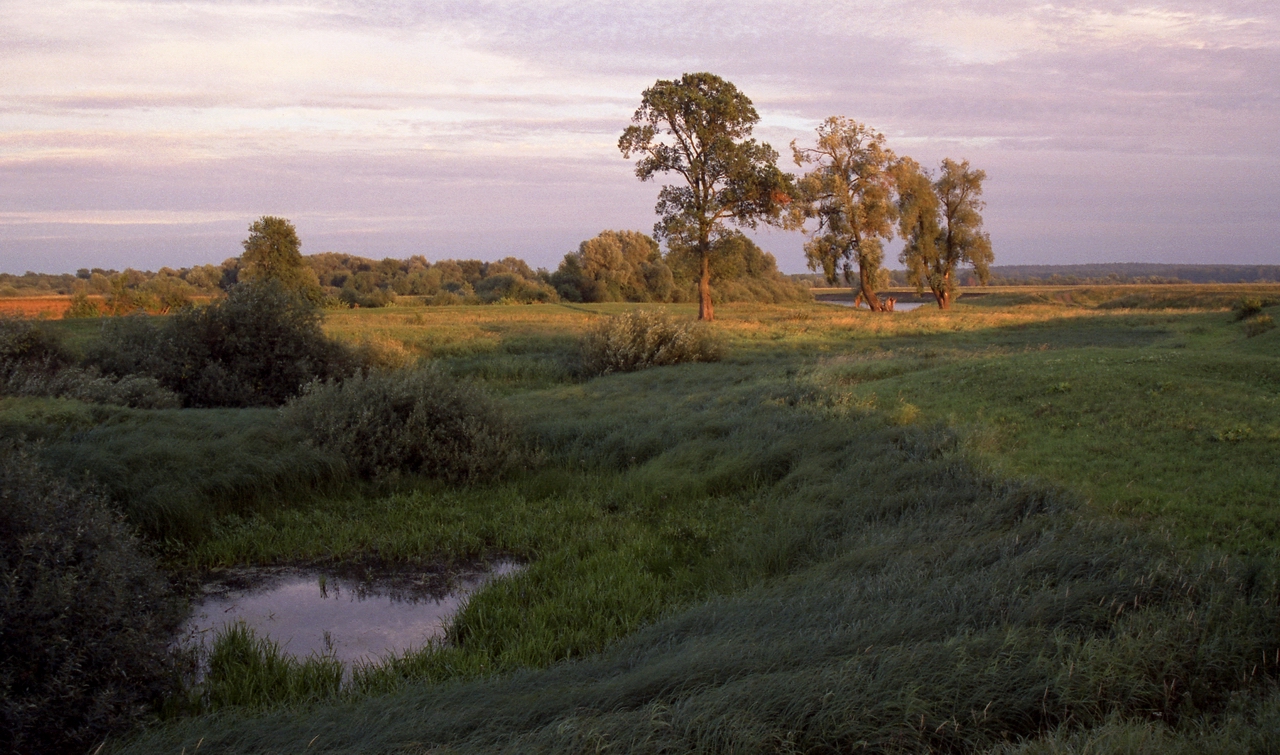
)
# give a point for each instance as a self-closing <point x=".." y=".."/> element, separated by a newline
<point x="1131" y="272"/>
<point x="1097" y="274"/>
<point x="613" y="266"/>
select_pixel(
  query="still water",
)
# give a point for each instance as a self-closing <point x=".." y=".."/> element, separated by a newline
<point x="902" y="306"/>
<point x="350" y="620"/>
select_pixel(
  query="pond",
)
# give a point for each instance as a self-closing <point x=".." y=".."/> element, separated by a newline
<point x="355" y="620"/>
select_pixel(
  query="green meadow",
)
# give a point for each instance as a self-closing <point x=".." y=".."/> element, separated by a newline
<point x="1043" y="521"/>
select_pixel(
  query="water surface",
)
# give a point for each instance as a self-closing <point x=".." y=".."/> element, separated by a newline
<point x="352" y="620"/>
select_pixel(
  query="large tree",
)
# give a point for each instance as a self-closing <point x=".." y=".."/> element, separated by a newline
<point x="700" y="128"/>
<point x="273" y="252"/>
<point x="850" y="192"/>
<point x="942" y="224"/>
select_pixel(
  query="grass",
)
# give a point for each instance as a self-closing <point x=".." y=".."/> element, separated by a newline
<point x="1031" y="527"/>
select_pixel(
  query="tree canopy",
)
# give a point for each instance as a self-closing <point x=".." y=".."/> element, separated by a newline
<point x="700" y="127"/>
<point x="942" y="224"/>
<point x="273" y="252"/>
<point x="850" y="192"/>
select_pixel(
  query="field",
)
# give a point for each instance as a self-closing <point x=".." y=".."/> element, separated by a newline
<point x="1044" y="521"/>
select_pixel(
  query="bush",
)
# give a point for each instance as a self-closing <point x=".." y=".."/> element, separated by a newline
<point x="28" y="348"/>
<point x="1247" y="308"/>
<point x="417" y="421"/>
<point x="85" y="618"/>
<point x="645" y="338"/>
<point x="257" y="347"/>
<point x="90" y="385"/>
<point x="1258" y="325"/>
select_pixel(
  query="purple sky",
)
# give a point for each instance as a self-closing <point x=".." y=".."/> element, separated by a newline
<point x="138" y="133"/>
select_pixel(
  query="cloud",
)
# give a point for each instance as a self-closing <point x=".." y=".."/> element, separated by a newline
<point x="389" y="123"/>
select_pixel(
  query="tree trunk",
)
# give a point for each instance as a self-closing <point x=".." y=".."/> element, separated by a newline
<point x="944" y="298"/>
<point x="705" y="311"/>
<point x="943" y="293"/>
<point x="869" y="291"/>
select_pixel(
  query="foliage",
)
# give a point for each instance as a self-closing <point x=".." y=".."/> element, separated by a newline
<point x="85" y="618"/>
<point x="1257" y="325"/>
<point x="139" y="391"/>
<point x="82" y="306"/>
<point x="256" y="347"/>
<point x="849" y="191"/>
<point x="700" y="127"/>
<point x="174" y="474"/>
<point x="406" y="422"/>
<point x="28" y="348"/>
<point x="942" y="226"/>
<point x="1248" y="307"/>
<point x="641" y="339"/>
<point x="273" y="252"/>
<point x="741" y="272"/>
<point x="615" y="266"/>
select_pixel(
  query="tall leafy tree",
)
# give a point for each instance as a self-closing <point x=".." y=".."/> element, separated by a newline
<point x="699" y="127"/>
<point x="942" y="225"/>
<point x="274" y="252"/>
<point x="850" y="192"/>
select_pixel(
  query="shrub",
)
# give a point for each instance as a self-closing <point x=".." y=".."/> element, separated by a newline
<point x="90" y="385"/>
<point x="414" y="421"/>
<point x="1258" y="325"/>
<point x="1247" y="308"/>
<point x="85" y="618"/>
<point x="82" y="306"/>
<point x="257" y="347"/>
<point x="28" y="348"/>
<point x="645" y="338"/>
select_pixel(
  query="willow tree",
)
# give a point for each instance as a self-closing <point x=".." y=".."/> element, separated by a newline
<point x="942" y="225"/>
<point x="850" y="192"/>
<point x="699" y="127"/>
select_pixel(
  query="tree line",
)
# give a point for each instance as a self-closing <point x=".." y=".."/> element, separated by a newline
<point x="856" y="194"/>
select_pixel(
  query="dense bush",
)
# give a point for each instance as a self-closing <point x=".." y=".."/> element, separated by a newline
<point x="645" y="338"/>
<point x="417" y="421"/>
<point x="85" y="618"/>
<point x="34" y="363"/>
<point x="137" y="391"/>
<point x="257" y="347"/>
<point x="1247" y="307"/>
<point x="29" y="348"/>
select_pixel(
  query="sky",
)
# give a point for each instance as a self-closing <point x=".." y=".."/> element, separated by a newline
<point x="149" y="133"/>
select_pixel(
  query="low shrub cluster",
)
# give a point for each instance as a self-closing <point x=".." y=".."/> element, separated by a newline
<point x="85" y="618"/>
<point x="1247" y="307"/>
<point x="257" y="347"/>
<point x="34" y="363"/>
<point x="645" y="338"/>
<point x="1257" y="325"/>
<point x="413" y="421"/>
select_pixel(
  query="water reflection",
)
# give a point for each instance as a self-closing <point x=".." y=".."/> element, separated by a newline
<point x="348" y="619"/>
<point x="902" y="306"/>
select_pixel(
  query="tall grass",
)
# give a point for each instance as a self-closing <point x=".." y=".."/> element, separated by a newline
<point x="773" y="553"/>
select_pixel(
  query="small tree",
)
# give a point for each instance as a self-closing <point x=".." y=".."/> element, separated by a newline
<point x="849" y="192"/>
<point x="942" y="225"/>
<point x="273" y="252"/>
<point x="700" y="128"/>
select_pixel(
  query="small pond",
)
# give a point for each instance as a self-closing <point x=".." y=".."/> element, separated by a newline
<point x="352" y="619"/>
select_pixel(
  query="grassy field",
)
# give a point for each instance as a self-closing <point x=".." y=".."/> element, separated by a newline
<point x="1043" y="521"/>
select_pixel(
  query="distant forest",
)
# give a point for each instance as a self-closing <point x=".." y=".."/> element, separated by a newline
<point x="358" y="281"/>
<point x="1110" y="273"/>
<point x="613" y="266"/>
